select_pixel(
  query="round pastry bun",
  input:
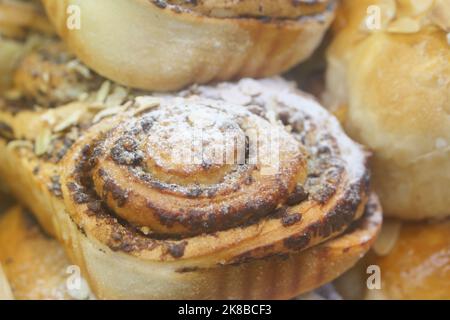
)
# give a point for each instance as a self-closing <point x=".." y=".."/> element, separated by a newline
<point x="396" y="88"/>
<point x="142" y="45"/>
<point x="414" y="261"/>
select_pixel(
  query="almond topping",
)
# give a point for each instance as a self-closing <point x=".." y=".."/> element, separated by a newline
<point x="387" y="238"/>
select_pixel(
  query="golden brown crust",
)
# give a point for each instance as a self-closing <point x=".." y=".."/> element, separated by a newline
<point x="397" y="107"/>
<point x="201" y="48"/>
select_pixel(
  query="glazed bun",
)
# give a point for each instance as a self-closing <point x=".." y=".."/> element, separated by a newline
<point x="167" y="45"/>
<point x="414" y="261"/>
<point x="418" y="265"/>
<point x="395" y="85"/>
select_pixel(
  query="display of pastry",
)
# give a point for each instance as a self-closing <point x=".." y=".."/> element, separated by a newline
<point x="155" y="152"/>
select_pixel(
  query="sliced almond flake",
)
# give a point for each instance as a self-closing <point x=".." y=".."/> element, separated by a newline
<point x="83" y="96"/>
<point x="18" y="144"/>
<point x="388" y="237"/>
<point x="49" y="118"/>
<point x="197" y="119"/>
<point x="404" y="25"/>
<point x="72" y="119"/>
<point x="440" y="14"/>
<point x="448" y="38"/>
<point x="103" y="92"/>
<point x="77" y="66"/>
<point x="97" y="106"/>
<point x="128" y="104"/>
<point x="43" y="141"/>
<point x="146" y="103"/>
<point x="117" y="97"/>
<point x="106" y="113"/>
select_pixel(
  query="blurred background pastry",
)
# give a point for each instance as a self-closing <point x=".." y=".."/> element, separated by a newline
<point x="17" y="18"/>
<point x="388" y="76"/>
<point x="35" y="264"/>
<point x="393" y="81"/>
<point x="414" y="260"/>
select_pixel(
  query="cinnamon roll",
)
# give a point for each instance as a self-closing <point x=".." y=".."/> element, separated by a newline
<point x="392" y="80"/>
<point x="166" y="45"/>
<point x="238" y="190"/>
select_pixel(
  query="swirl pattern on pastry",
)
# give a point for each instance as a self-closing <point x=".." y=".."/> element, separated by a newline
<point x="188" y="165"/>
<point x="123" y="185"/>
